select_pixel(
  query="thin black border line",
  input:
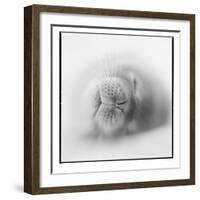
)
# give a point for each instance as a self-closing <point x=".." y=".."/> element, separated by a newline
<point x="172" y="97"/>
<point x="125" y="159"/>
<point x="60" y="95"/>
<point x="119" y="34"/>
<point x="51" y="95"/>
<point x="60" y="85"/>
<point x="118" y="28"/>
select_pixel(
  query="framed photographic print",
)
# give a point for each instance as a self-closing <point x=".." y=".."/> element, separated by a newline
<point x="109" y="99"/>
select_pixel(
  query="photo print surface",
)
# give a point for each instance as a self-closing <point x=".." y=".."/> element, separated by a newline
<point x="116" y="96"/>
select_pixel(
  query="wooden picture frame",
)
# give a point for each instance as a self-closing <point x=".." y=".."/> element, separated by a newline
<point x="33" y="106"/>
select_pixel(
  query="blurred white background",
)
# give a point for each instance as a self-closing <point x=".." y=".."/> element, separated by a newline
<point x="83" y="59"/>
<point x="11" y="102"/>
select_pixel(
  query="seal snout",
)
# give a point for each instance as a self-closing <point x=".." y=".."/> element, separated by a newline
<point x="113" y="97"/>
<point x="112" y="90"/>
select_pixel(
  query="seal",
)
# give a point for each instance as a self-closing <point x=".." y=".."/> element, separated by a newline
<point x="114" y="99"/>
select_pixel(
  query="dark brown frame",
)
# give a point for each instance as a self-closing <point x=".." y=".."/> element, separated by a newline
<point x="32" y="105"/>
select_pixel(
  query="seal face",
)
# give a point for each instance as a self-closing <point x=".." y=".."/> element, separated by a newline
<point x="114" y="98"/>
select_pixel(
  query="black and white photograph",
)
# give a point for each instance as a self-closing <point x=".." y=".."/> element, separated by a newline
<point x="109" y="99"/>
<point x="116" y="95"/>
